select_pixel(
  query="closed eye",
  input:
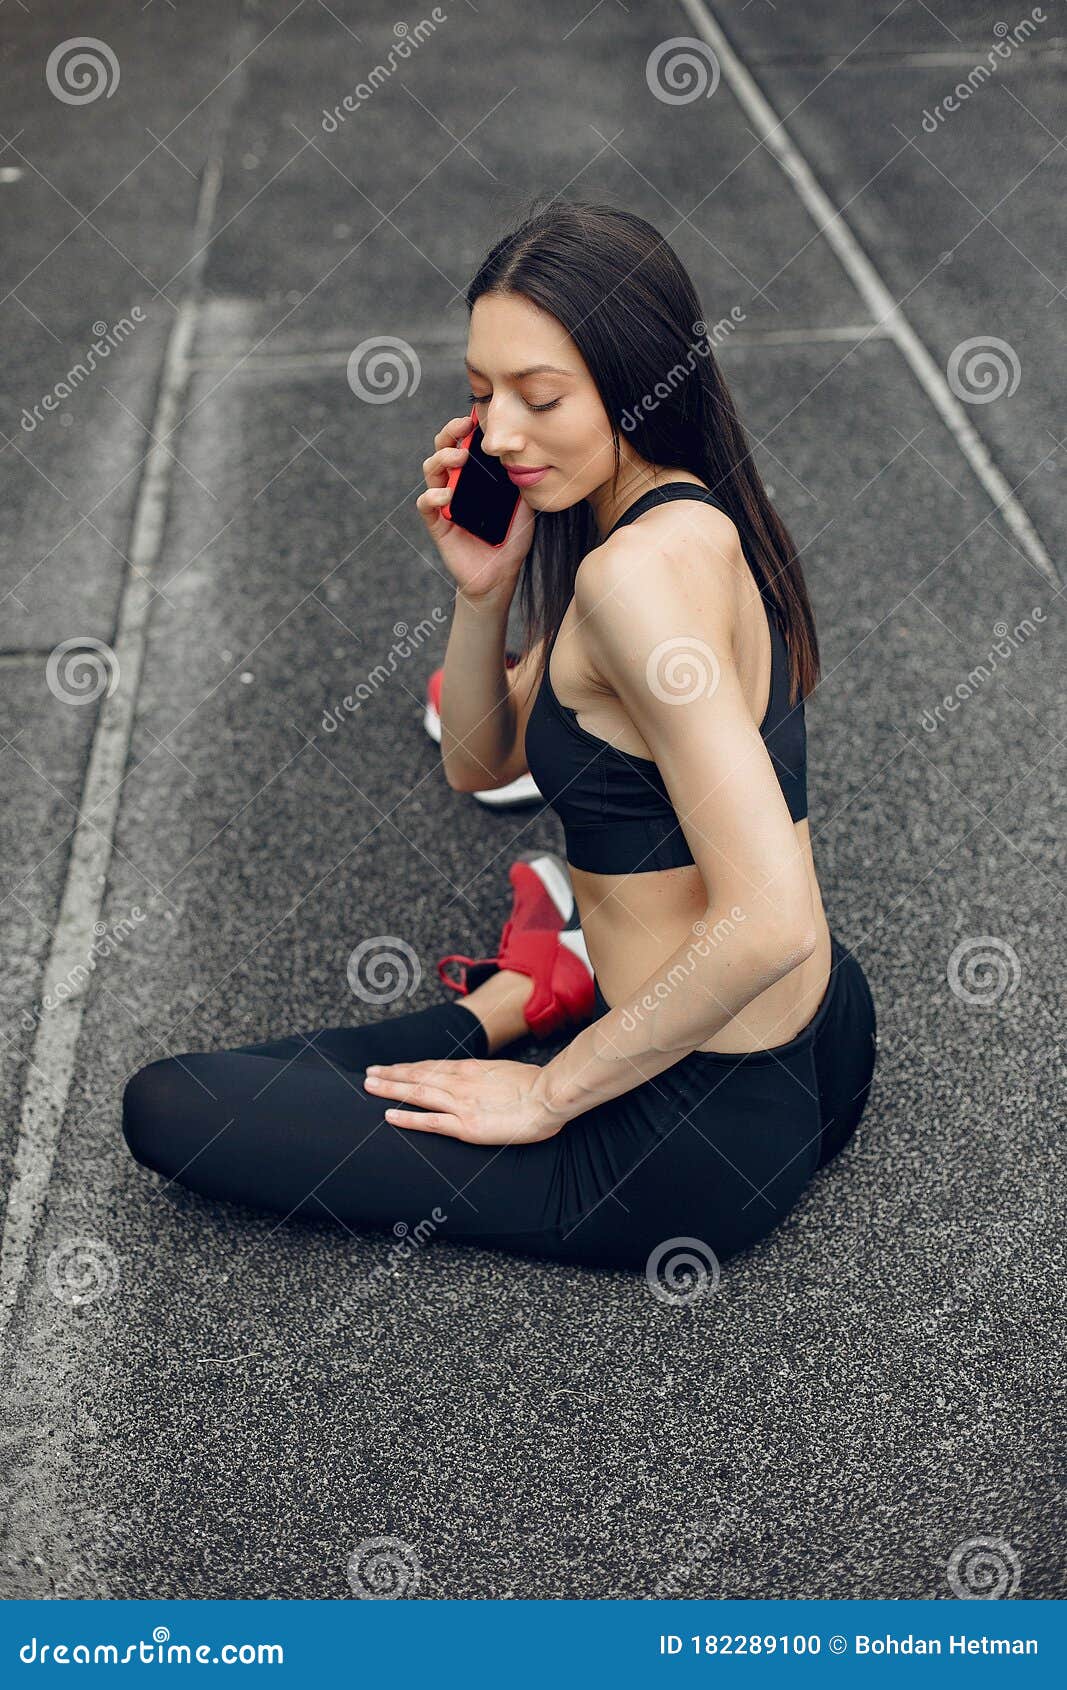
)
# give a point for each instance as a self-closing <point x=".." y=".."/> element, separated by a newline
<point x="483" y="399"/>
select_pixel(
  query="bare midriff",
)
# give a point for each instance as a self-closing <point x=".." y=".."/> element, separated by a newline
<point x="633" y="922"/>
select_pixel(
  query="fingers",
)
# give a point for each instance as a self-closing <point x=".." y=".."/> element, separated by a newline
<point x="411" y="1091"/>
<point x="434" y="1090"/>
<point x="455" y="429"/>
<point x="417" y="1070"/>
<point x="450" y="1125"/>
<point x="414" y="1082"/>
<point x="430" y="503"/>
<point x="437" y="466"/>
<point x="447" y="453"/>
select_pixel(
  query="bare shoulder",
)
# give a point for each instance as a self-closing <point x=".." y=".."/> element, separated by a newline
<point x="681" y="559"/>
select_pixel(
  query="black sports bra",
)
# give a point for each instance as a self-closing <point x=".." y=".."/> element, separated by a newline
<point x="616" y="813"/>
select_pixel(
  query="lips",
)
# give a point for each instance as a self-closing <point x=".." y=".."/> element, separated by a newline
<point x="526" y="477"/>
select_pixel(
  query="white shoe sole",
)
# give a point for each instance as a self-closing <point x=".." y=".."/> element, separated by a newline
<point x="552" y="872"/>
<point x="525" y="790"/>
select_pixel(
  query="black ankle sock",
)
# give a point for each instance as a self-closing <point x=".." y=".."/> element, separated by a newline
<point x="446" y="1030"/>
<point x="475" y="1040"/>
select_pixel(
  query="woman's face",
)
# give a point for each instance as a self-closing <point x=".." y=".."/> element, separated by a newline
<point x="534" y="417"/>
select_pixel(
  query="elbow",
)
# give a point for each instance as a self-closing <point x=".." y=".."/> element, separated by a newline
<point x="463" y="783"/>
<point x="460" y="775"/>
<point x="787" y="947"/>
<point x="772" y="948"/>
<point x="783" y="933"/>
<point x="475" y="777"/>
<point x="479" y="779"/>
<point x="776" y="944"/>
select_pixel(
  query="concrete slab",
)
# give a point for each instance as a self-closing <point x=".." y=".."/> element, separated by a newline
<point x="375" y="225"/>
<point x="97" y="233"/>
<point x="960" y="221"/>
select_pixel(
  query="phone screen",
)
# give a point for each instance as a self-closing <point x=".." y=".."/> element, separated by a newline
<point x="483" y="499"/>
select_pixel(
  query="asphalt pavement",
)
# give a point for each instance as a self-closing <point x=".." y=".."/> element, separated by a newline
<point x="199" y="1400"/>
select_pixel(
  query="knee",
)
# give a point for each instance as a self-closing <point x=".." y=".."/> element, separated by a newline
<point x="150" y="1105"/>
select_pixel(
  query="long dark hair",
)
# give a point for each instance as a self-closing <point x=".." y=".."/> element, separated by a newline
<point x="622" y="294"/>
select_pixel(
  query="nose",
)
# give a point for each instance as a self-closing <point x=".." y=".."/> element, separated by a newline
<point x="498" y="437"/>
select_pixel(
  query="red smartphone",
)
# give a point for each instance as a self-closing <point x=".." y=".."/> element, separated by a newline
<point x="484" y="498"/>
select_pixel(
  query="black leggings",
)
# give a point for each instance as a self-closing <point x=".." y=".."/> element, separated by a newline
<point x="716" y="1149"/>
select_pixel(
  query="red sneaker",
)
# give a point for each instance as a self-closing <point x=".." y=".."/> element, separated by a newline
<point x="524" y="790"/>
<point x="543" y="938"/>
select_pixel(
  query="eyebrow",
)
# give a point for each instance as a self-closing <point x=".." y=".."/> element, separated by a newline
<point x="517" y="375"/>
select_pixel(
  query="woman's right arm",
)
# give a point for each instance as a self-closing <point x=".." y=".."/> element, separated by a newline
<point x="480" y="751"/>
<point x="483" y="703"/>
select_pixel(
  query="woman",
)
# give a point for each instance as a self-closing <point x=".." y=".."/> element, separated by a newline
<point x="659" y="706"/>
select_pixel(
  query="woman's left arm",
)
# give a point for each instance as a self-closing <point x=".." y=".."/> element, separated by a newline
<point x="668" y="656"/>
